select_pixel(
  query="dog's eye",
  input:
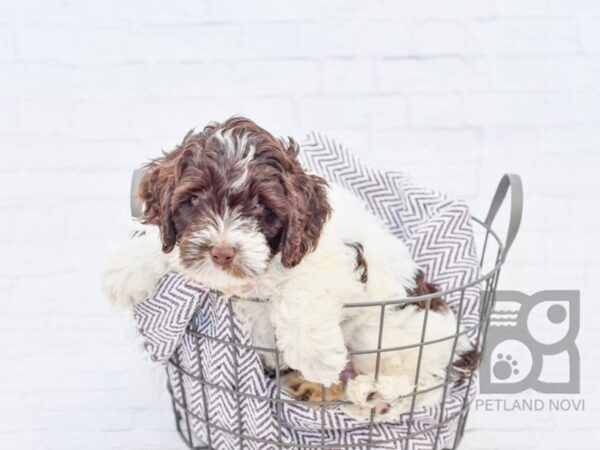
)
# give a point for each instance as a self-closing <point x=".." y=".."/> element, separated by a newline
<point x="266" y="213"/>
<point x="195" y="201"/>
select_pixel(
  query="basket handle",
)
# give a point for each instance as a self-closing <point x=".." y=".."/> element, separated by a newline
<point x="135" y="202"/>
<point x="513" y="182"/>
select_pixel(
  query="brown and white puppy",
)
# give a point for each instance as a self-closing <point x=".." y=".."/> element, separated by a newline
<point x="232" y="208"/>
<point x="232" y="197"/>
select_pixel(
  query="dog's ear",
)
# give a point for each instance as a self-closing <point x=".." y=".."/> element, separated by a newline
<point x="309" y="210"/>
<point x="156" y="192"/>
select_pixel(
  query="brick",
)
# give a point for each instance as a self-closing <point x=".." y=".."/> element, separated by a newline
<point x="436" y="110"/>
<point x="332" y="112"/>
<point x="8" y="117"/>
<point x="351" y="77"/>
<point x="42" y="151"/>
<point x="517" y="108"/>
<point x="43" y="79"/>
<point x="101" y="118"/>
<point x="50" y="10"/>
<point x="108" y="42"/>
<point x="573" y="6"/>
<point x="432" y="75"/>
<point x="47" y="188"/>
<point x="145" y="440"/>
<point x="438" y="38"/>
<point x="165" y="122"/>
<point x="5" y="286"/>
<point x="590" y="442"/>
<point x="274" y="10"/>
<point x="47" y="40"/>
<point x="33" y="79"/>
<point x="270" y="39"/>
<point x="586" y="106"/>
<point x="187" y="42"/>
<point x="387" y="111"/>
<point x="329" y="112"/>
<point x="252" y="77"/>
<point x="97" y="218"/>
<point x="523" y="36"/>
<point x="86" y="401"/>
<point x="126" y="80"/>
<point x="264" y="77"/>
<point x="581" y="216"/>
<point x="479" y="418"/>
<point x="167" y="79"/>
<point x="447" y="146"/>
<point x="509" y="142"/>
<point x="27" y="224"/>
<point x="8" y="41"/>
<point x="356" y="140"/>
<point x="569" y="141"/>
<point x="573" y="72"/>
<point x="519" y="73"/>
<point x="531" y="247"/>
<point x="439" y="9"/>
<point x="94" y="421"/>
<point x="562" y="177"/>
<point x="520" y="8"/>
<point x="196" y="11"/>
<point x="27" y="438"/>
<point x="154" y="420"/>
<point x="277" y="114"/>
<point x="45" y="116"/>
<point x="355" y="37"/>
<point x="590" y="34"/>
<point x="489" y="439"/>
<point x="19" y="413"/>
<point x="76" y="439"/>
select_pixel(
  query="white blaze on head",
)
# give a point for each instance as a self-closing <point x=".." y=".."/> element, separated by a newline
<point x="239" y="151"/>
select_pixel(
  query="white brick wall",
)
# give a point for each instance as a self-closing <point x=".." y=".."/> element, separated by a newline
<point x="455" y="92"/>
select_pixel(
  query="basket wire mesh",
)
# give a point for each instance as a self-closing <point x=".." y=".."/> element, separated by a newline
<point x="493" y="256"/>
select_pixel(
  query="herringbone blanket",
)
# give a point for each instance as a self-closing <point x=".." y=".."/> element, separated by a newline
<point x="438" y="231"/>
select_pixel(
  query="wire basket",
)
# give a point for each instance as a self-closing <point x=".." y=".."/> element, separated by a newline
<point x="492" y="257"/>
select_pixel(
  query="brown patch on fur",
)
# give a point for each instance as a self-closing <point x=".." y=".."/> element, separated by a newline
<point x="467" y="364"/>
<point x="361" y="262"/>
<point x="304" y="390"/>
<point x="185" y="188"/>
<point x="425" y="288"/>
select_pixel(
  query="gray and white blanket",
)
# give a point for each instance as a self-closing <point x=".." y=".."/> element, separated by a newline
<point x="192" y="327"/>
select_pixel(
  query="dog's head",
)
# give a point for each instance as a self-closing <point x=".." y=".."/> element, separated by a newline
<point x="232" y="197"/>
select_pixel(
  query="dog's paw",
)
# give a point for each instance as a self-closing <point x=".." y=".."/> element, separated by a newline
<point x="304" y="390"/>
<point x="387" y="398"/>
<point x="125" y="289"/>
<point x="360" y="390"/>
<point x="134" y="270"/>
<point x="398" y="391"/>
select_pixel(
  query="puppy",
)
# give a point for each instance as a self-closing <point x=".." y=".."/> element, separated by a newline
<point x="232" y="208"/>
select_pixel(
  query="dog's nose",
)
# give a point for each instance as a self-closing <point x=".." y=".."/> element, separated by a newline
<point x="222" y="255"/>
